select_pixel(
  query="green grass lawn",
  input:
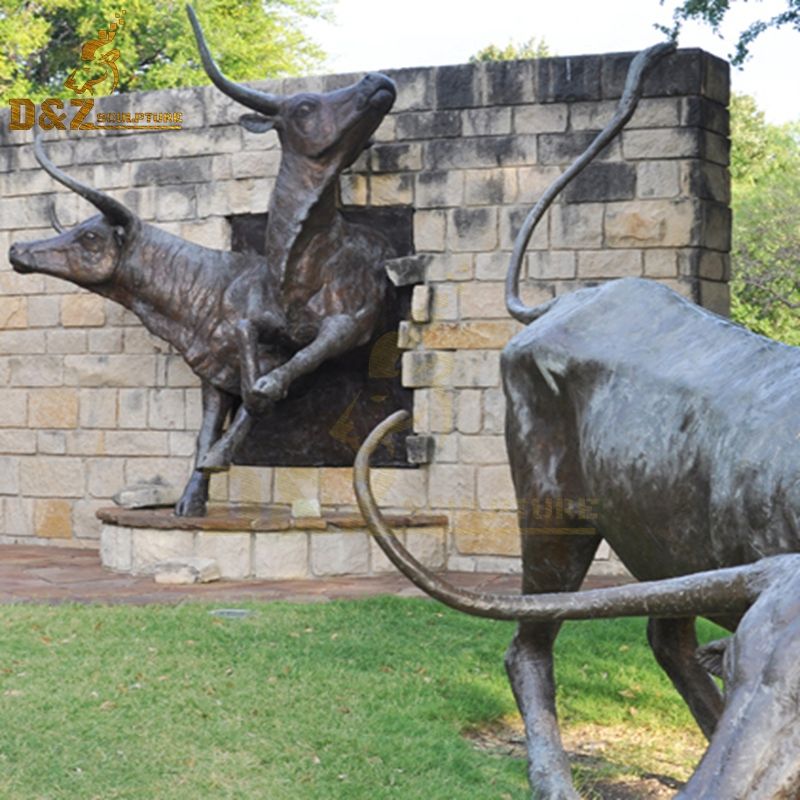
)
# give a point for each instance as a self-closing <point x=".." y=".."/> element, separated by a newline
<point x="366" y="699"/>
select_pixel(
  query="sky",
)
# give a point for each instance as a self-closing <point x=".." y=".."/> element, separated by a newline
<point x="385" y="34"/>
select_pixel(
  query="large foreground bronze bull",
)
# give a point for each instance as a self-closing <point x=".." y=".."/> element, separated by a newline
<point x="685" y="429"/>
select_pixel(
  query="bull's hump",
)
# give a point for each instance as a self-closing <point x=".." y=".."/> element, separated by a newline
<point x="642" y="325"/>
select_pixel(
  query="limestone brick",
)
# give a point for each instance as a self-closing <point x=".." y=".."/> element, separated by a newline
<point x="53" y="519"/>
<point x="83" y="310"/>
<point x="250" y="485"/>
<point x="13" y="312"/>
<point x="421" y="303"/>
<point x="429" y="230"/>
<point x="22" y="441"/>
<point x="13" y="408"/>
<point x="427" y="368"/>
<point x="654" y="223"/>
<point x="451" y="486"/>
<point x="51" y="476"/>
<point x="427" y="545"/>
<point x="336" y="486"/>
<point x="343" y="553"/>
<point x="487" y="532"/>
<point x="495" y="488"/>
<point x="53" y="408"/>
<point x="281" y="556"/>
<point x="296" y="483"/>
<point x="98" y="408"/>
<point x="151" y="546"/>
<point x="468" y="414"/>
<point x="481" y="335"/>
<point x="231" y="551"/>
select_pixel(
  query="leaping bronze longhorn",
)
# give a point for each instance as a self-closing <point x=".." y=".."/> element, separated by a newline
<point x="248" y="326"/>
<point x="330" y="273"/>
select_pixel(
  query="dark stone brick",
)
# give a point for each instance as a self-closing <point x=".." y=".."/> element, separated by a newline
<point x="603" y="182"/>
<point x="509" y="82"/>
<point x="429" y="125"/>
<point x="717" y="79"/>
<point x="455" y="87"/>
<point x="470" y="219"/>
<point x="408" y="270"/>
<point x="420" y="449"/>
<point x="716" y="226"/>
<point x="390" y="157"/>
<point x="680" y="73"/>
<point x="561" y="148"/>
<point x="700" y="112"/>
<point x="568" y="79"/>
<point x="179" y="170"/>
<point x="483" y="151"/>
<point x="709" y="182"/>
<point x="716" y="148"/>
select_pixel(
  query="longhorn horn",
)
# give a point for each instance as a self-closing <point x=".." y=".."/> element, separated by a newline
<point x="54" y="220"/>
<point x="114" y="211"/>
<point x="266" y="103"/>
<point x="631" y="94"/>
<point x="719" y="592"/>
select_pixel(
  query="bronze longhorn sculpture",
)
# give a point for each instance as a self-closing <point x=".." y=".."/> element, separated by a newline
<point x="684" y="426"/>
<point x="248" y="326"/>
<point x="329" y="273"/>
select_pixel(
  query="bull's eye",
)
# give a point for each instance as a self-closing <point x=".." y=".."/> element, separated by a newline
<point x="91" y="241"/>
<point x="303" y="110"/>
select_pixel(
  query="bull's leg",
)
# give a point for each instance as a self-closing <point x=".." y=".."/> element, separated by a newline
<point x="336" y="335"/>
<point x="674" y="643"/>
<point x="216" y="405"/>
<point x="552" y="563"/>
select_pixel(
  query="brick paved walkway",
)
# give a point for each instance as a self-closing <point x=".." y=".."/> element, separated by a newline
<point x="70" y="575"/>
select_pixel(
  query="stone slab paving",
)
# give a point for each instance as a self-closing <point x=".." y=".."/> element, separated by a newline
<point x="53" y="575"/>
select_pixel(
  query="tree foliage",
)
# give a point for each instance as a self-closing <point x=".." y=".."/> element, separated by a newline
<point x="532" y="48"/>
<point x="40" y="41"/>
<point x="765" y="172"/>
<point x="713" y="13"/>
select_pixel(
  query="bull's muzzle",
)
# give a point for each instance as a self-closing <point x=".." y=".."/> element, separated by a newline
<point x="378" y="92"/>
<point x="16" y="255"/>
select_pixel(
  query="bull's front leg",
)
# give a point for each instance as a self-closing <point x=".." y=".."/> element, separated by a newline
<point x="216" y="406"/>
<point x="336" y="335"/>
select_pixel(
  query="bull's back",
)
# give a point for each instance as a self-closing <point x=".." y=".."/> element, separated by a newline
<point x="684" y="428"/>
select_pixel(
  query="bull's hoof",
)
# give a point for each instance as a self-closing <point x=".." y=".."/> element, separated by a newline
<point x="191" y="508"/>
<point x="270" y="388"/>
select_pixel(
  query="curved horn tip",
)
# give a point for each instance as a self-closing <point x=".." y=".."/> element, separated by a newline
<point x="54" y="220"/>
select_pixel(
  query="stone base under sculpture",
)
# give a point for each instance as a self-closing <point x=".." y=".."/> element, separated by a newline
<point x="263" y="542"/>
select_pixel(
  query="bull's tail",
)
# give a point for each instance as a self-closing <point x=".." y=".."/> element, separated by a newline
<point x="639" y="67"/>
<point x="727" y="591"/>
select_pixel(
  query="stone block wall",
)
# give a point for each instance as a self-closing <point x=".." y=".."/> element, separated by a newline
<point x="90" y="401"/>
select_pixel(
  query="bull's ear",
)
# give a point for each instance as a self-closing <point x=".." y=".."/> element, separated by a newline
<point x="256" y="123"/>
<point x="711" y="656"/>
<point x="119" y="235"/>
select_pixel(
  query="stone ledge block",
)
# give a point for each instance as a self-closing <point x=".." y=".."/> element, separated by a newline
<point x="151" y="546"/>
<point x="231" y="551"/>
<point x="116" y="548"/>
<point x="344" y="553"/>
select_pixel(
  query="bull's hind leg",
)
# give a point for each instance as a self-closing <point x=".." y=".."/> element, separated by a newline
<point x="553" y="563"/>
<point x="674" y="644"/>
